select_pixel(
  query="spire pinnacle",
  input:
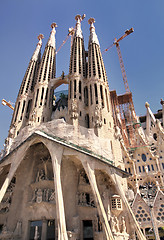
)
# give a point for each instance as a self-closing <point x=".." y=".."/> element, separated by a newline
<point x="51" y="40"/>
<point x="93" y="37"/>
<point x="38" y="47"/>
<point x="78" y="32"/>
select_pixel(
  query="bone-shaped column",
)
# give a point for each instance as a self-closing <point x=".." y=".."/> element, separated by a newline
<point x="56" y="155"/>
<point x="128" y="208"/>
<point x="92" y="179"/>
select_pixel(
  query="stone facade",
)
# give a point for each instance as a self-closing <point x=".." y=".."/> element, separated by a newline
<point x="66" y="170"/>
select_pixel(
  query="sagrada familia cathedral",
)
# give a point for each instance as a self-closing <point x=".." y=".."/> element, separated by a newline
<point x="84" y="166"/>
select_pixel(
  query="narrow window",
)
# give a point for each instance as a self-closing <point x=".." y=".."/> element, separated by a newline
<point x="41" y="96"/>
<point x="107" y="100"/>
<point x="148" y="168"/>
<point x="96" y="95"/>
<point x="74" y="88"/>
<point x="163" y="165"/>
<point x="80" y="90"/>
<point x="70" y="89"/>
<point x="17" y="112"/>
<point x="139" y="169"/>
<point x="36" y="97"/>
<point x="22" y="109"/>
<point x="152" y="167"/>
<point x="101" y="93"/>
<point x="86" y="96"/>
<point x="28" y="108"/>
<point x="91" y="94"/>
<point x="46" y="97"/>
<point x="143" y="168"/>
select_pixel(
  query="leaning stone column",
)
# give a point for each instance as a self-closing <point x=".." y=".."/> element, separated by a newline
<point x="92" y="179"/>
<point x="56" y="155"/>
<point x="129" y="210"/>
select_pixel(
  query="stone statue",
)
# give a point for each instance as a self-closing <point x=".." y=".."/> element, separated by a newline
<point x="97" y="117"/>
<point x="74" y="110"/>
<point x="52" y="196"/>
<point x="41" y="175"/>
<point x="117" y="224"/>
<point x="36" y="235"/>
<point x="113" y="224"/>
<point x="39" y="196"/>
<point x="123" y="225"/>
<point x="18" y="229"/>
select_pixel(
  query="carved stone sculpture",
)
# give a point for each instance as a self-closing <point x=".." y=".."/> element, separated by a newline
<point x="74" y="109"/>
<point x="97" y="117"/>
<point x="117" y="224"/>
<point x="123" y="225"/>
<point x="41" y="175"/>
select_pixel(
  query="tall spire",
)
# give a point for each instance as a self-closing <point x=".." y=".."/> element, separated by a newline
<point x="96" y="68"/>
<point x="47" y="68"/>
<point x="38" y="48"/>
<point x="30" y="74"/>
<point x="78" y="32"/>
<point x="43" y="94"/>
<point x="93" y="37"/>
<point x="77" y="59"/>
<point x="51" y="41"/>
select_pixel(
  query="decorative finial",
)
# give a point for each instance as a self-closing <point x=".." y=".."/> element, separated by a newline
<point x="147" y="104"/>
<point x="51" y="40"/>
<point x="78" y="32"/>
<point x="38" y="47"/>
<point x="93" y="37"/>
<point x="40" y="36"/>
<point x="162" y="102"/>
<point x="91" y="21"/>
<point x="78" y="17"/>
<point x="53" y="25"/>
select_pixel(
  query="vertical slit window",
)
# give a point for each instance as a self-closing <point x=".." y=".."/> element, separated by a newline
<point x="41" y="96"/>
<point x="101" y="93"/>
<point x="80" y="90"/>
<point x="22" y="109"/>
<point x="28" y="108"/>
<point x="86" y="96"/>
<point x="79" y="55"/>
<point x="17" y="112"/>
<point x="46" y="97"/>
<point x="107" y="100"/>
<point x="91" y="94"/>
<point x="74" y="88"/>
<point x="96" y="95"/>
<point x="36" y="97"/>
<point x="70" y="89"/>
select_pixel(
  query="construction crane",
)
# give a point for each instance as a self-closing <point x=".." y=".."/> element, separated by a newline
<point x="116" y="42"/>
<point x="5" y="103"/>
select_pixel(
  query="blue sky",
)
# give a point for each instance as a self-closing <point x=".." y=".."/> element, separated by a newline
<point x="21" y="21"/>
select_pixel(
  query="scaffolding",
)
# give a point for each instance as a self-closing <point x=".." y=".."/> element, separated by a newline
<point x="125" y="117"/>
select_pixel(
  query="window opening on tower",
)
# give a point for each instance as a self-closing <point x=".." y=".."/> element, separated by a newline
<point x="96" y="95"/>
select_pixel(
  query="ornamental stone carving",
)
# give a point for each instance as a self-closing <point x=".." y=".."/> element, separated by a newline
<point x="97" y="117"/>
<point x="43" y="195"/>
<point x="74" y="109"/>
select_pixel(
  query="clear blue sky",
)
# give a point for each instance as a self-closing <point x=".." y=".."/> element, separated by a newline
<point x="21" y="21"/>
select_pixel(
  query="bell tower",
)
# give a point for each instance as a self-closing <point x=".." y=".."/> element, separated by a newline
<point x="26" y="93"/>
<point x="43" y="93"/>
<point x="77" y="74"/>
<point x="96" y="91"/>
